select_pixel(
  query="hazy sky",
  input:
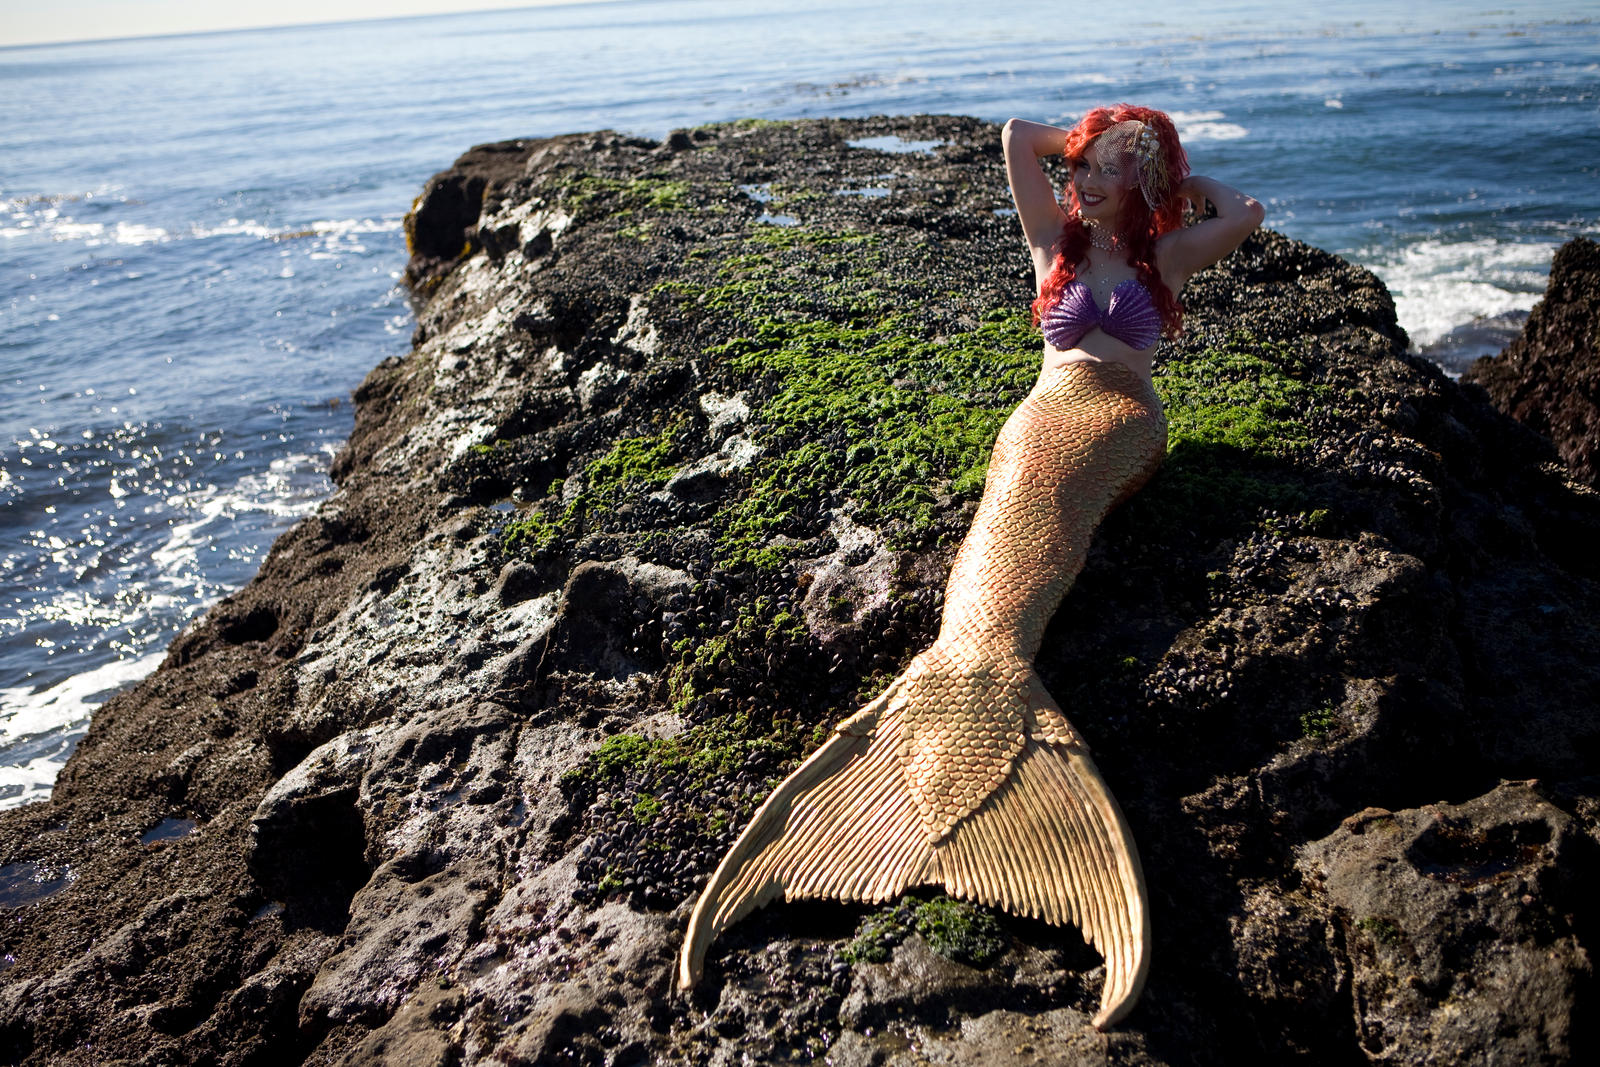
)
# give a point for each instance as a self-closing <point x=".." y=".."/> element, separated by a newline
<point x="42" y="21"/>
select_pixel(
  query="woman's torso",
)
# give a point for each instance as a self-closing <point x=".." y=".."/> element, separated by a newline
<point x="1101" y="285"/>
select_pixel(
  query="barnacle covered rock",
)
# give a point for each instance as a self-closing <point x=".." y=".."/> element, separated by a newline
<point x="460" y="758"/>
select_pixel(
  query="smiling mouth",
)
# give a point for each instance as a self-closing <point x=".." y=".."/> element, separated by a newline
<point x="1089" y="198"/>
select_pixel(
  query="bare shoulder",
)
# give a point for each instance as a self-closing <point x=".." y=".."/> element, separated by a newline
<point x="1185" y="251"/>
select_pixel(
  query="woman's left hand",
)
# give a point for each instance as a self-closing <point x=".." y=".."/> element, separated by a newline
<point x="1189" y="189"/>
<point x="1184" y="251"/>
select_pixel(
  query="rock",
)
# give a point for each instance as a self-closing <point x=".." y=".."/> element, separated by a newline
<point x="434" y="793"/>
<point x="1549" y="377"/>
<point x="307" y="842"/>
<point x="442" y="225"/>
<point x="1058" y="1038"/>
<point x="565" y="1015"/>
<point x="849" y="584"/>
<point x="709" y="477"/>
<point x="517" y="582"/>
<point x="603" y="607"/>
<point x="418" y="1035"/>
<point x="1459" y="921"/>
<point x="915" y="981"/>
<point x="663" y="492"/>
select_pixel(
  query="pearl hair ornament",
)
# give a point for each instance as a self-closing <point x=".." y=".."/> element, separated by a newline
<point x="1134" y="150"/>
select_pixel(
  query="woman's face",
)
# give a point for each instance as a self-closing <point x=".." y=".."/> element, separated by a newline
<point x="1099" y="186"/>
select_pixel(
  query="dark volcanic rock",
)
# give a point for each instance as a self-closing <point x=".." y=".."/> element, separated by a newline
<point x="1459" y="922"/>
<point x="443" y="223"/>
<point x="669" y="485"/>
<point x="1549" y="377"/>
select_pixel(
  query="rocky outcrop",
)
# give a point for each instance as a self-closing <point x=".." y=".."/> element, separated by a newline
<point x="668" y="486"/>
<point x="1549" y="377"/>
<point x="1478" y="985"/>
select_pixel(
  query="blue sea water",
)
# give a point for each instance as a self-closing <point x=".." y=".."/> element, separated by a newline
<point x="200" y="236"/>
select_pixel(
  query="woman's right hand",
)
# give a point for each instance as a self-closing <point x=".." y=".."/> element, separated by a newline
<point x="1037" y="207"/>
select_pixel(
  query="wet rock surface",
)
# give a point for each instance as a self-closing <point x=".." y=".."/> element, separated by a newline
<point x="668" y="486"/>
<point x="1549" y="377"/>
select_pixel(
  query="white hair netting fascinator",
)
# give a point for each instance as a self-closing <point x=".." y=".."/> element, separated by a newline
<point x="1131" y="151"/>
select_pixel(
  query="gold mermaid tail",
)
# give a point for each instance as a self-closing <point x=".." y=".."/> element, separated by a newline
<point x="965" y="773"/>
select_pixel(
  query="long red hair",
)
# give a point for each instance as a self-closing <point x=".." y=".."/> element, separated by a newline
<point x="1137" y="227"/>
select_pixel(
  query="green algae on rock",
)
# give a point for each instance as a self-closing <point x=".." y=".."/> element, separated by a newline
<point x="958" y="931"/>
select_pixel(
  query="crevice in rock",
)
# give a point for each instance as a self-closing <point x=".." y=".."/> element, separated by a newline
<point x="259" y="623"/>
<point x="311" y="855"/>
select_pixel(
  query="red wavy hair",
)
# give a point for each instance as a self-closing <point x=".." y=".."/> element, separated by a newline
<point x="1138" y="227"/>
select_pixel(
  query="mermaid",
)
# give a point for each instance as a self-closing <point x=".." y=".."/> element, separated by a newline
<point x="965" y="773"/>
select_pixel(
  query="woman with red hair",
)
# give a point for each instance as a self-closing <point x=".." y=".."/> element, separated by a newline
<point x="1122" y="223"/>
<point x="965" y="773"/>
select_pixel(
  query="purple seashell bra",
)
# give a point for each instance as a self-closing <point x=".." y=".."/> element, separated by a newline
<point x="1130" y="316"/>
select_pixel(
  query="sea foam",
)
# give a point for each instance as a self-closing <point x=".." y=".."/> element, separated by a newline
<point x="38" y="730"/>
<point x="1440" y="285"/>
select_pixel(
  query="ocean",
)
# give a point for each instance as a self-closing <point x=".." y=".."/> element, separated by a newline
<point x="201" y="236"/>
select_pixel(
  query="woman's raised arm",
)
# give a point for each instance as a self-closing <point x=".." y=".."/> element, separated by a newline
<point x="1183" y="252"/>
<point x="1037" y="207"/>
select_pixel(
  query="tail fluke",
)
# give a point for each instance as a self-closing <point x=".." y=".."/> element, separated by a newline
<point x="842" y="826"/>
<point x="1049" y="843"/>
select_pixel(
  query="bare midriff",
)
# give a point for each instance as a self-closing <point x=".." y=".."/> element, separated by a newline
<point x="1097" y="346"/>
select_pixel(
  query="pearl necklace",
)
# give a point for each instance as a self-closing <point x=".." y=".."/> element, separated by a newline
<point x="1103" y="243"/>
<point x="1093" y="274"/>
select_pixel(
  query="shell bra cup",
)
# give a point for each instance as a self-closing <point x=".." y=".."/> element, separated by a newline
<point x="1130" y="316"/>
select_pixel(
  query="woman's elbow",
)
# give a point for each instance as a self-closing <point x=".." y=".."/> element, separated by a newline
<point x="1012" y="138"/>
<point x="1247" y="219"/>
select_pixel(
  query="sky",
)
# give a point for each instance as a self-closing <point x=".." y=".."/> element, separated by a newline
<point x="47" y="21"/>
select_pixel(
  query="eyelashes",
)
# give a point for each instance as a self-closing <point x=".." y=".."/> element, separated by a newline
<point x="1107" y="170"/>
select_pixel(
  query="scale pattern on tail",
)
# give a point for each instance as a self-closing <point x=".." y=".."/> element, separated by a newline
<point x="965" y="773"/>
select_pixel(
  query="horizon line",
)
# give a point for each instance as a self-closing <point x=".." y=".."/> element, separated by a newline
<point x="519" y="5"/>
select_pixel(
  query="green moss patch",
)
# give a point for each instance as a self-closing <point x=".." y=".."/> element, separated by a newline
<point x="1381" y="930"/>
<point x="1236" y="398"/>
<point x="1239" y="421"/>
<point x="1320" y="722"/>
<point x="722" y="741"/>
<point x="841" y="421"/>
<point x="865" y="401"/>
<point x="591" y="195"/>
<point x="633" y="465"/>
<point x="688" y="794"/>
<point x="955" y="929"/>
